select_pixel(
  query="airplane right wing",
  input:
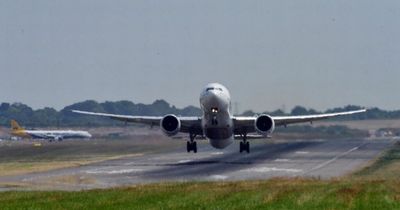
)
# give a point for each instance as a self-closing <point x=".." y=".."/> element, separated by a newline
<point x="148" y="120"/>
<point x="188" y="124"/>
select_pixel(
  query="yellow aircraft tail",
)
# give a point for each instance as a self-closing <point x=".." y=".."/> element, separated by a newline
<point x="15" y="126"/>
<point x="17" y="130"/>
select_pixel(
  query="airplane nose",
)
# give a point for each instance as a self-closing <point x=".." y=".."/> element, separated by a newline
<point x="212" y="96"/>
<point x="214" y="99"/>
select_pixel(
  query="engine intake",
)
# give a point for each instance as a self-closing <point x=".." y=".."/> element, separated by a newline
<point x="170" y="125"/>
<point x="264" y="124"/>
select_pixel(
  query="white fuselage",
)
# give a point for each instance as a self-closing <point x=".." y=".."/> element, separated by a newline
<point x="217" y="121"/>
<point x="57" y="134"/>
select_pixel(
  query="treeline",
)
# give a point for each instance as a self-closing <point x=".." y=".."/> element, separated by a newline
<point x="51" y="117"/>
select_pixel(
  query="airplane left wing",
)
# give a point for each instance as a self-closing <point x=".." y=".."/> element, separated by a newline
<point x="188" y="124"/>
<point x="247" y="123"/>
<point x="285" y="120"/>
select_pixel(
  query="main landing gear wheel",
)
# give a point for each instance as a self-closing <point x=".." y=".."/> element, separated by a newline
<point x="244" y="145"/>
<point x="191" y="145"/>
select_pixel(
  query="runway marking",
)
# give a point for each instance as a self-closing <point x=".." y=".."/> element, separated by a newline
<point x="156" y="158"/>
<point x="130" y="163"/>
<point x="184" y="161"/>
<point x="122" y="171"/>
<point x="273" y="169"/>
<point x="217" y="153"/>
<point x="282" y="160"/>
<point x="219" y="177"/>
<point x="334" y="159"/>
<point x="302" y="152"/>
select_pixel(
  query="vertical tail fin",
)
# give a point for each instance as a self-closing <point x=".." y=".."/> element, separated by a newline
<point x="15" y="125"/>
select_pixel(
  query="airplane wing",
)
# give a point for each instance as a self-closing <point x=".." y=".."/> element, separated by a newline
<point x="192" y="124"/>
<point x="54" y="137"/>
<point x="285" y="120"/>
<point x="247" y="123"/>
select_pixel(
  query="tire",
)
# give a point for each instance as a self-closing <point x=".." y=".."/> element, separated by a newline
<point x="248" y="147"/>
<point x="194" y="148"/>
<point x="188" y="146"/>
<point x="241" y="147"/>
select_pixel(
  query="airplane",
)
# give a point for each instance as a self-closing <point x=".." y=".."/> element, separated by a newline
<point x="217" y="124"/>
<point x="17" y="130"/>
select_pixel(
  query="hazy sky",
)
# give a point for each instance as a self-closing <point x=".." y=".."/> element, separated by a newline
<point x="319" y="54"/>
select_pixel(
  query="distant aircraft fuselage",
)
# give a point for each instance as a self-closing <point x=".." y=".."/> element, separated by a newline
<point x="47" y="134"/>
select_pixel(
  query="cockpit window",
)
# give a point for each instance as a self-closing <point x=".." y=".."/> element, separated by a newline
<point x="213" y="88"/>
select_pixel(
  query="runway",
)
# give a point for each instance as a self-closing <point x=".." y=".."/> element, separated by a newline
<point x="305" y="158"/>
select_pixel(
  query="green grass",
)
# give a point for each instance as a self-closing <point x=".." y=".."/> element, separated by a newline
<point x="271" y="194"/>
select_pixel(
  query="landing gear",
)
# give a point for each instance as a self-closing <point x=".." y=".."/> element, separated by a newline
<point x="191" y="145"/>
<point x="244" y="145"/>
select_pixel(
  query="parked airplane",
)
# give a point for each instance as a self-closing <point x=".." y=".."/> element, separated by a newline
<point x="217" y="124"/>
<point x="46" y="134"/>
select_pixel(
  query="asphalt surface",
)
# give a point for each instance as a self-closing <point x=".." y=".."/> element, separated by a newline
<point x="305" y="158"/>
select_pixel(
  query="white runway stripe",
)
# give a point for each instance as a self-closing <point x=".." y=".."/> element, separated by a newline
<point x="334" y="159"/>
<point x="273" y="169"/>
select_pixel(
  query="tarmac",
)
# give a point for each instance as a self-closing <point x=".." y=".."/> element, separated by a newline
<point x="322" y="159"/>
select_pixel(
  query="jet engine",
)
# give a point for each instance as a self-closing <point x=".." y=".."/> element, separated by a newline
<point x="264" y="124"/>
<point x="58" y="138"/>
<point x="170" y="125"/>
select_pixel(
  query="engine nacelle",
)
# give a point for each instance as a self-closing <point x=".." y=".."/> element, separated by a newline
<point x="58" y="138"/>
<point x="170" y="125"/>
<point x="264" y="124"/>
